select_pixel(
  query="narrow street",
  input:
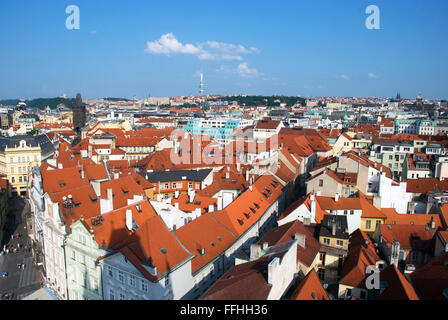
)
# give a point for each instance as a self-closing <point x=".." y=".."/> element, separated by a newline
<point x="19" y="282"/>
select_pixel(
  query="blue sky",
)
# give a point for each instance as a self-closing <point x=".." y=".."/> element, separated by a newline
<point x="300" y="47"/>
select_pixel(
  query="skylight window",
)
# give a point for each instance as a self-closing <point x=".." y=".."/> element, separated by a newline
<point x="163" y="250"/>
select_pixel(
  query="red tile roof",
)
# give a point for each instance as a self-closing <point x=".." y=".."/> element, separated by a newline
<point x="204" y="233"/>
<point x="361" y="253"/>
<point x="431" y="279"/>
<point x="398" y="287"/>
<point x="310" y="288"/>
<point x="286" y="232"/>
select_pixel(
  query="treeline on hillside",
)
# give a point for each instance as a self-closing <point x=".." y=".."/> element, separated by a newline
<point x="116" y="99"/>
<point x="270" y="101"/>
<point x="41" y="103"/>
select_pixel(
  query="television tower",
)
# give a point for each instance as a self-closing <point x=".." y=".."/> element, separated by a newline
<point x="201" y="85"/>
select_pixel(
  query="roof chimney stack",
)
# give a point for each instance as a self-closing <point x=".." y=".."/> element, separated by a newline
<point x="129" y="219"/>
<point x="336" y="197"/>
<point x="333" y="228"/>
<point x="301" y="239"/>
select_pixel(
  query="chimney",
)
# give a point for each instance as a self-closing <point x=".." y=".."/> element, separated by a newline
<point x="70" y="199"/>
<point x="238" y="167"/>
<point x="227" y="175"/>
<point x="301" y="239"/>
<point x="211" y="208"/>
<point x="176" y="194"/>
<point x="336" y="197"/>
<point x="433" y="223"/>
<point x="247" y="175"/>
<point x="129" y="219"/>
<point x="255" y="251"/>
<point x="220" y="204"/>
<point x="59" y="165"/>
<point x="82" y="174"/>
<point x="333" y="228"/>
<point x="395" y="252"/>
<point x="272" y="270"/>
<point x="176" y="205"/>
<point x="250" y="187"/>
<point x="313" y="207"/>
<point x="191" y="195"/>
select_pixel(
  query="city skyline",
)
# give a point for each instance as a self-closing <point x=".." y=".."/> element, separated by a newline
<point x="295" y="49"/>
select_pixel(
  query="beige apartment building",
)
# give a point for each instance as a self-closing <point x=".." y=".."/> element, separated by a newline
<point x="18" y="155"/>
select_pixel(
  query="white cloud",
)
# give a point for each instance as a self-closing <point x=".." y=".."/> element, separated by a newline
<point x="373" y="76"/>
<point x="344" y="76"/>
<point x="209" y="50"/>
<point x="244" y="71"/>
<point x="168" y="44"/>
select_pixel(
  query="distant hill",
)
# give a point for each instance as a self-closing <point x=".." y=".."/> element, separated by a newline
<point x="116" y="99"/>
<point x="270" y="101"/>
<point x="41" y="103"/>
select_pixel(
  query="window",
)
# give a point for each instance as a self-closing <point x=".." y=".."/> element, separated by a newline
<point x="322" y="257"/>
<point x="190" y="185"/>
<point x="12" y="169"/>
<point x="352" y="211"/>
<point x="132" y="281"/>
<point x="144" y="286"/>
<point x="83" y="259"/>
<point x="121" y="276"/>
<point x="321" y="183"/>
<point x="13" y="179"/>
<point x="349" y="292"/>
<point x="122" y="296"/>
<point x="326" y="241"/>
<point x="111" y="294"/>
<point x="339" y="243"/>
<point x="110" y="272"/>
<point x="174" y="185"/>
<point x="368" y="226"/>
<point x="73" y="255"/>
<point x="94" y="284"/>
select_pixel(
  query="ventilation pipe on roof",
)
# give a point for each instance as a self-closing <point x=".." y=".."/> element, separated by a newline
<point x="82" y="174"/>
<point x="227" y="175"/>
<point x="238" y="167"/>
<point x="336" y="197"/>
<point x="255" y="251"/>
<point x="59" y="165"/>
<point x="129" y="219"/>
<point x="301" y="239"/>
<point x="272" y="270"/>
<point x="333" y="228"/>
<point x="433" y="223"/>
<point x="191" y="195"/>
